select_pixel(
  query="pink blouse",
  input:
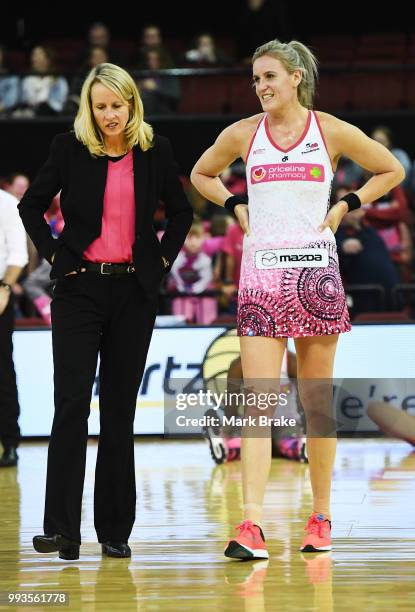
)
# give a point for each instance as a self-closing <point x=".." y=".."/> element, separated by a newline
<point x="115" y="244"/>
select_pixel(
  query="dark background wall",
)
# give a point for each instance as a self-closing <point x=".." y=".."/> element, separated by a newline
<point x="182" y="18"/>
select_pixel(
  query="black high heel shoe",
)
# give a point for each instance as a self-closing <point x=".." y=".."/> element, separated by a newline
<point x="116" y="549"/>
<point x="9" y="458"/>
<point x="70" y="554"/>
<point x="56" y="543"/>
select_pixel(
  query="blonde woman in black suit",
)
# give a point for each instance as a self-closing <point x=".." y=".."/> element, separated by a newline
<point x="112" y="171"/>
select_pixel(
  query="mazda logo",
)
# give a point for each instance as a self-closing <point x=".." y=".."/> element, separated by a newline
<point x="269" y="259"/>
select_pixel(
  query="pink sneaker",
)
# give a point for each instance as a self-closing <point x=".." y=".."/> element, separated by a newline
<point x="293" y="448"/>
<point x="249" y="544"/>
<point x="318" y="536"/>
<point x="233" y="448"/>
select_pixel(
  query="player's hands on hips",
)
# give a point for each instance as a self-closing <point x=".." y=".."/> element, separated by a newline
<point x="334" y="216"/>
<point x="241" y="212"/>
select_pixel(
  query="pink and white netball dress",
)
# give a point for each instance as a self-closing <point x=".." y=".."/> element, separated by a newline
<point x="290" y="284"/>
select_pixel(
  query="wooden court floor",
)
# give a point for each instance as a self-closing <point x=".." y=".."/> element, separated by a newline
<point x="186" y="510"/>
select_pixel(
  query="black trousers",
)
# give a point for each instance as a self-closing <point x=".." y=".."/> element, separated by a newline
<point x="110" y="316"/>
<point x="9" y="404"/>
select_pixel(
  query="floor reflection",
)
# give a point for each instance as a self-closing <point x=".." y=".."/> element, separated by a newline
<point x="186" y="511"/>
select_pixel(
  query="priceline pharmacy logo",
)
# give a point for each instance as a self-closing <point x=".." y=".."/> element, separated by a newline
<point x="287" y="172"/>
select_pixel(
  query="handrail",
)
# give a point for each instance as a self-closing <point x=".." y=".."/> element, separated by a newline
<point x="350" y="67"/>
<point x="368" y="288"/>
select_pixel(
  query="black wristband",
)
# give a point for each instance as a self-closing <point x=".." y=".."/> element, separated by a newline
<point x="234" y="201"/>
<point x="352" y="200"/>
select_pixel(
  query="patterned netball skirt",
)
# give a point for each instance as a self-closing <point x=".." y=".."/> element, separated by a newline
<point x="280" y="296"/>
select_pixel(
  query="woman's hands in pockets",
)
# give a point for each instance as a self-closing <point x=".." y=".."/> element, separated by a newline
<point x="76" y="272"/>
<point x="69" y="273"/>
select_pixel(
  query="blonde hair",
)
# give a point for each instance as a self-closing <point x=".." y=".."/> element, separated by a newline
<point x="137" y="131"/>
<point x="294" y="56"/>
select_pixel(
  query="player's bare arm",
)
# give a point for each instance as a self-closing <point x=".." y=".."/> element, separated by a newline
<point x="231" y="144"/>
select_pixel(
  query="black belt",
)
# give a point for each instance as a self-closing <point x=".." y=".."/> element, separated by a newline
<point x="108" y="268"/>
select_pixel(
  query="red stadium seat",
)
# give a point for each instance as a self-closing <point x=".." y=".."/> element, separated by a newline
<point x="18" y="61"/>
<point x="243" y="99"/>
<point x="334" y="91"/>
<point x="66" y="53"/>
<point x="378" y="90"/>
<point x="204" y="94"/>
<point x="338" y="49"/>
<point x="389" y="48"/>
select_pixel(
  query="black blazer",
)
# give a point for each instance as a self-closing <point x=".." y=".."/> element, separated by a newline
<point x="82" y="179"/>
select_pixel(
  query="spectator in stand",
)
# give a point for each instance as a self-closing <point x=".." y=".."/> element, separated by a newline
<point x="347" y="173"/>
<point x="205" y="52"/>
<point x="13" y="258"/>
<point x="42" y="93"/>
<point x="390" y="216"/>
<point x="99" y="35"/>
<point x="364" y="259"/>
<point x="234" y="178"/>
<point x="151" y="40"/>
<point x="96" y="55"/>
<point x="37" y="285"/>
<point x="192" y="274"/>
<point x="384" y="135"/>
<point x="260" y="20"/>
<point x="160" y="93"/>
<point x="17" y="184"/>
<point x="216" y="229"/>
<point x="9" y="86"/>
<point x="232" y="249"/>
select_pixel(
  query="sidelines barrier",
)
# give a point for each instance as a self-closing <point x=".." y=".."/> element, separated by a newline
<point x="368" y="352"/>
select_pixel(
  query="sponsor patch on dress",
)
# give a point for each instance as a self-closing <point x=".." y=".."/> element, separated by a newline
<point x="313" y="173"/>
<point x="272" y="259"/>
